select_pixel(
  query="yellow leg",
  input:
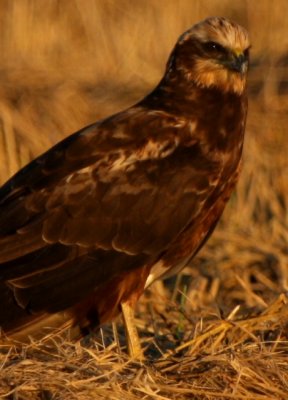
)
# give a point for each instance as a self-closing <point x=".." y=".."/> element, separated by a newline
<point x="133" y="342"/>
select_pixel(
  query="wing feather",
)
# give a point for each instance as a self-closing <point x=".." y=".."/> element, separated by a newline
<point x="99" y="204"/>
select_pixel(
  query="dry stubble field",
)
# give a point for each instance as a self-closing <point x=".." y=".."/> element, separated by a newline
<point x="218" y="331"/>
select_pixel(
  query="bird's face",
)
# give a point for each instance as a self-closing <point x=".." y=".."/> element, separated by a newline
<point x="215" y="53"/>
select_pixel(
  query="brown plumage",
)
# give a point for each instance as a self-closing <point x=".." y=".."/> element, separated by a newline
<point x="97" y="218"/>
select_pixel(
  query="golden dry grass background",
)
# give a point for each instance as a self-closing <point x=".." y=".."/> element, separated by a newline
<point x="220" y="330"/>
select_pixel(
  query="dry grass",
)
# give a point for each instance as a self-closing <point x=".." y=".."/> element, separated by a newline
<point x="218" y="331"/>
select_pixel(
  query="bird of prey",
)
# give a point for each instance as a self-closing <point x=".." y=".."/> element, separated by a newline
<point x="92" y="222"/>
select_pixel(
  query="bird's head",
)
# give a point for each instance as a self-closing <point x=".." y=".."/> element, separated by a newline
<point x="213" y="53"/>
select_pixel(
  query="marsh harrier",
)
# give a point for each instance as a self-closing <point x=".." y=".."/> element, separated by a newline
<point x="88" y="225"/>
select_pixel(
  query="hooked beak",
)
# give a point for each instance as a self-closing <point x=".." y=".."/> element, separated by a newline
<point x="238" y="63"/>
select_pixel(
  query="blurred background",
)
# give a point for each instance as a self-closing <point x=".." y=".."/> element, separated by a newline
<point x="65" y="64"/>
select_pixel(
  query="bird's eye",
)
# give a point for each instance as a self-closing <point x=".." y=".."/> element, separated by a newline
<point x="214" y="47"/>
